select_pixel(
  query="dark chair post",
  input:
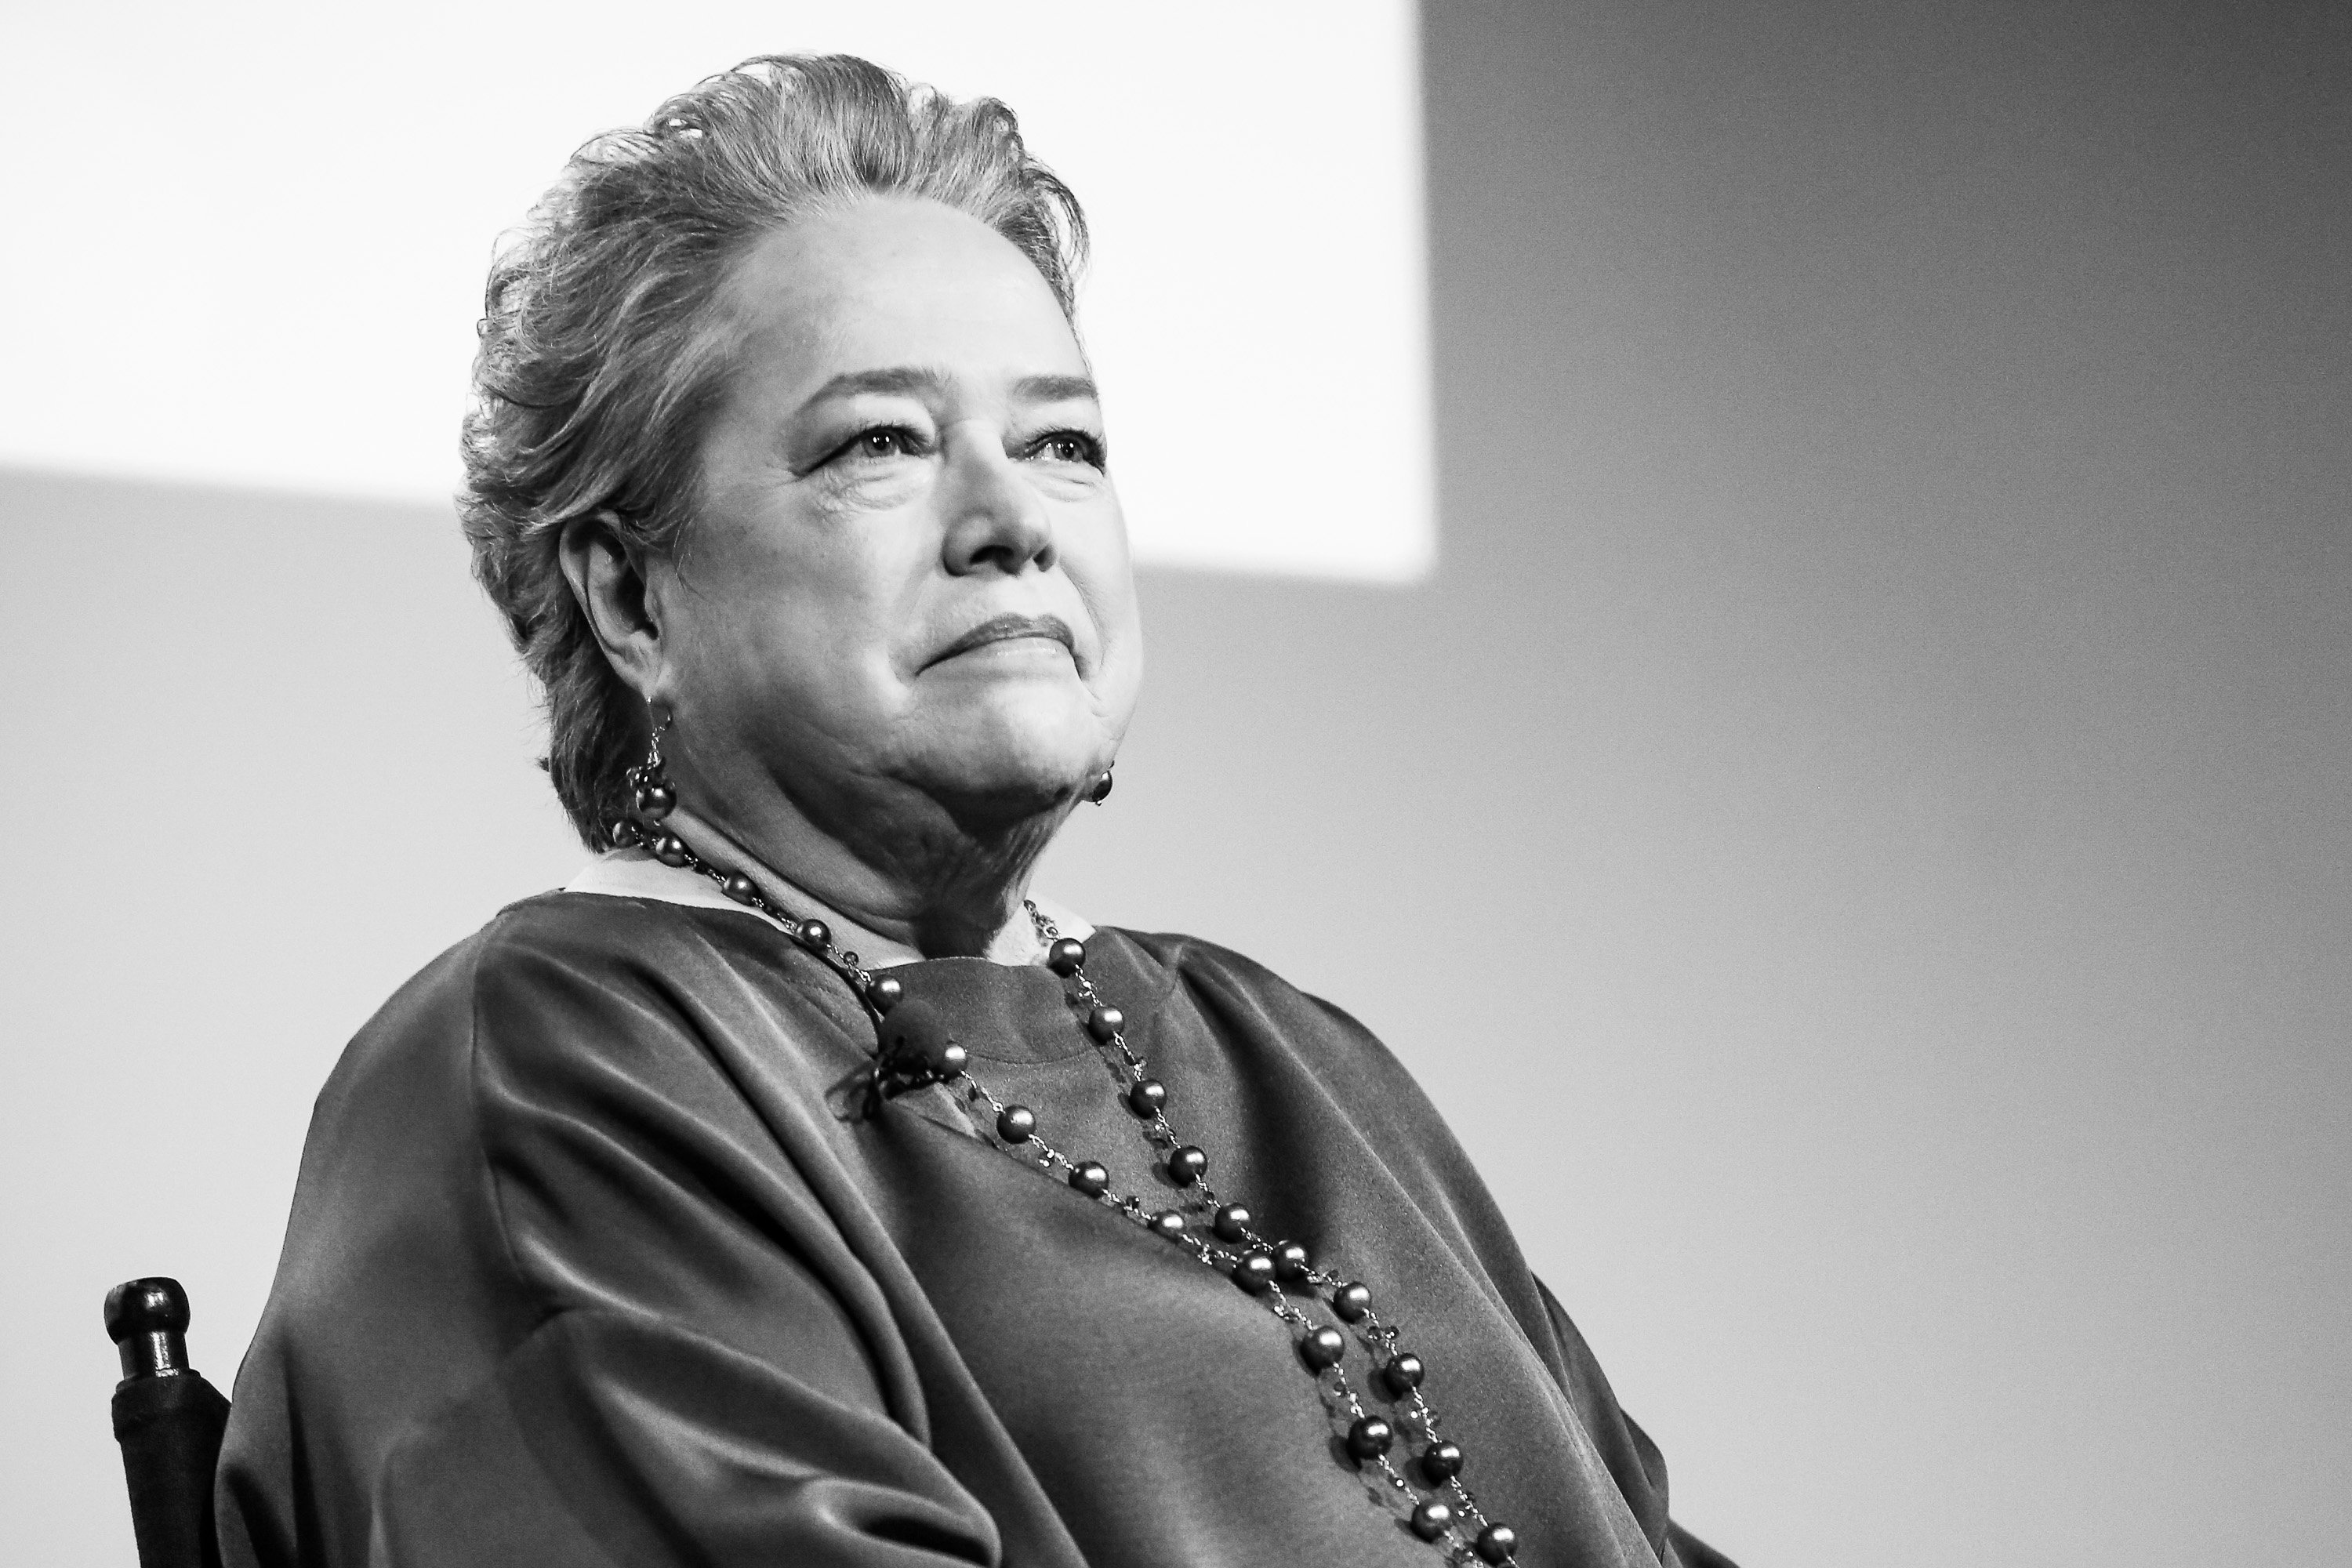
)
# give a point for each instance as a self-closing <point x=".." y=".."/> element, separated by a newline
<point x="169" y="1422"/>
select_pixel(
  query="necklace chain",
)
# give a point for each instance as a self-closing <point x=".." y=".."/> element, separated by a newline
<point x="1278" y="1274"/>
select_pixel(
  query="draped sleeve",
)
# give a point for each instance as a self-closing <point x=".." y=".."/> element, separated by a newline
<point x="1634" y="1460"/>
<point x="553" y="1293"/>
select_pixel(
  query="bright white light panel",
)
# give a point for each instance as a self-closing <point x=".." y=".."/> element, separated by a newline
<point x="245" y="242"/>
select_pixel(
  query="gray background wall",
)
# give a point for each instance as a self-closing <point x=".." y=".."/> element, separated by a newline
<point x="1854" y="835"/>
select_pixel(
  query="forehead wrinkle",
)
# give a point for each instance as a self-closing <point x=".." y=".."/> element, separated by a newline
<point x="892" y="378"/>
<point x="938" y="383"/>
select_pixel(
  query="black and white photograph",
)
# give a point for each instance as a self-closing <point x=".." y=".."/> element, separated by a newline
<point x="1054" y="785"/>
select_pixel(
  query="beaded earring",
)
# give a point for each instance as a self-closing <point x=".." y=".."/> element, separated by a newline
<point x="652" y="797"/>
<point x="651" y="794"/>
<point x="1101" y="791"/>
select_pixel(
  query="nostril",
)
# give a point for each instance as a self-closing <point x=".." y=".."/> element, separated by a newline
<point x="1006" y="530"/>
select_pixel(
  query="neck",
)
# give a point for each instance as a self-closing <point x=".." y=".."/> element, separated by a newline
<point x="930" y="894"/>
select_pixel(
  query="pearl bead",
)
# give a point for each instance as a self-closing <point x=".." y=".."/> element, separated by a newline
<point x="1187" y="1166"/>
<point x="1016" y="1124"/>
<point x="1232" y="1222"/>
<point x="1323" y="1348"/>
<point x="1403" y="1374"/>
<point x="1290" y="1262"/>
<point x="1370" y="1437"/>
<point x="669" y="849"/>
<point x="884" y="994"/>
<point x="1066" y="955"/>
<point x="1497" y="1542"/>
<point x="740" y="887"/>
<point x="1090" y="1179"/>
<point x="655" y="800"/>
<point x="1352" y="1302"/>
<point x="1441" y="1462"/>
<point x="1147" y="1098"/>
<point x="950" y="1060"/>
<point x="1168" y="1222"/>
<point x="1431" y="1520"/>
<point x="816" y="935"/>
<point x="1105" y="1022"/>
<point x="1254" y="1273"/>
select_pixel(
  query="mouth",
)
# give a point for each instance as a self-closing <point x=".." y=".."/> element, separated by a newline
<point x="1010" y="629"/>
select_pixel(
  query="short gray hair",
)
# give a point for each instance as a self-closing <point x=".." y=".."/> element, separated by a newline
<point x="601" y="357"/>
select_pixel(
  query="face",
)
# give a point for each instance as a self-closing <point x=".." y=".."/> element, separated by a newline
<point x="909" y="570"/>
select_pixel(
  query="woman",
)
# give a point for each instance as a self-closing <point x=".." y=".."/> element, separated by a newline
<point x="792" y="1187"/>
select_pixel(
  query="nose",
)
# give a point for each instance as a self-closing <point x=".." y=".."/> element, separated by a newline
<point x="996" y="520"/>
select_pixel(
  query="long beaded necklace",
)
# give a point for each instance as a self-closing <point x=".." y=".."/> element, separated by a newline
<point x="1279" y="1274"/>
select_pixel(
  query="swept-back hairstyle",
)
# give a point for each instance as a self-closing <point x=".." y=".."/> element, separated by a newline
<point x="602" y="355"/>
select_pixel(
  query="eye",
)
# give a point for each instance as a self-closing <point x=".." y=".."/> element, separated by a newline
<point x="878" y="444"/>
<point x="1068" y="447"/>
<point x="882" y="441"/>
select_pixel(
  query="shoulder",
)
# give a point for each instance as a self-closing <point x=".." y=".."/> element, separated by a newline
<point x="1196" y="962"/>
<point x="563" y="983"/>
<point x="1241" y="994"/>
<point x="568" y="1027"/>
<point x="1262" y="1016"/>
<point x="549" y="942"/>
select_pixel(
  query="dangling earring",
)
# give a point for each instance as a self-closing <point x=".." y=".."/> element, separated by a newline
<point x="653" y="797"/>
<point x="651" y="794"/>
<point x="1101" y="791"/>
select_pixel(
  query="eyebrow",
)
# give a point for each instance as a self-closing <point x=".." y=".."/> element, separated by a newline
<point x="1055" y="388"/>
<point x="920" y="378"/>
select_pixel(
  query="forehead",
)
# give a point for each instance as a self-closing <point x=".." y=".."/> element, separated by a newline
<point x="891" y="281"/>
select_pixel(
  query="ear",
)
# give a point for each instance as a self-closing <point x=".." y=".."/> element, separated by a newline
<point x="609" y="580"/>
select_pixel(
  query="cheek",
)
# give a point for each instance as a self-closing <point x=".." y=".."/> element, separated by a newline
<point x="812" y="627"/>
<point x="1095" y="556"/>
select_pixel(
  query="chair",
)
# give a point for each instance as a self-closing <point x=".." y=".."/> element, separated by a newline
<point x="168" y="1421"/>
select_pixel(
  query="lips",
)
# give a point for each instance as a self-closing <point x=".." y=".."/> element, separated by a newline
<point x="1007" y="629"/>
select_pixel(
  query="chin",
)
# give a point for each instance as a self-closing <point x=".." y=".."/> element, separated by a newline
<point x="997" y="775"/>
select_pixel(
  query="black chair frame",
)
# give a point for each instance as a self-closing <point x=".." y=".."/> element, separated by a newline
<point x="168" y="1421"/>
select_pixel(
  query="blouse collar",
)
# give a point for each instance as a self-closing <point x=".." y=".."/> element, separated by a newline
<point x="632" y="873"/>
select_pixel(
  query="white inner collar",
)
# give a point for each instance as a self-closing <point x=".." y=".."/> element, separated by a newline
<point x="633" y="874"/>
